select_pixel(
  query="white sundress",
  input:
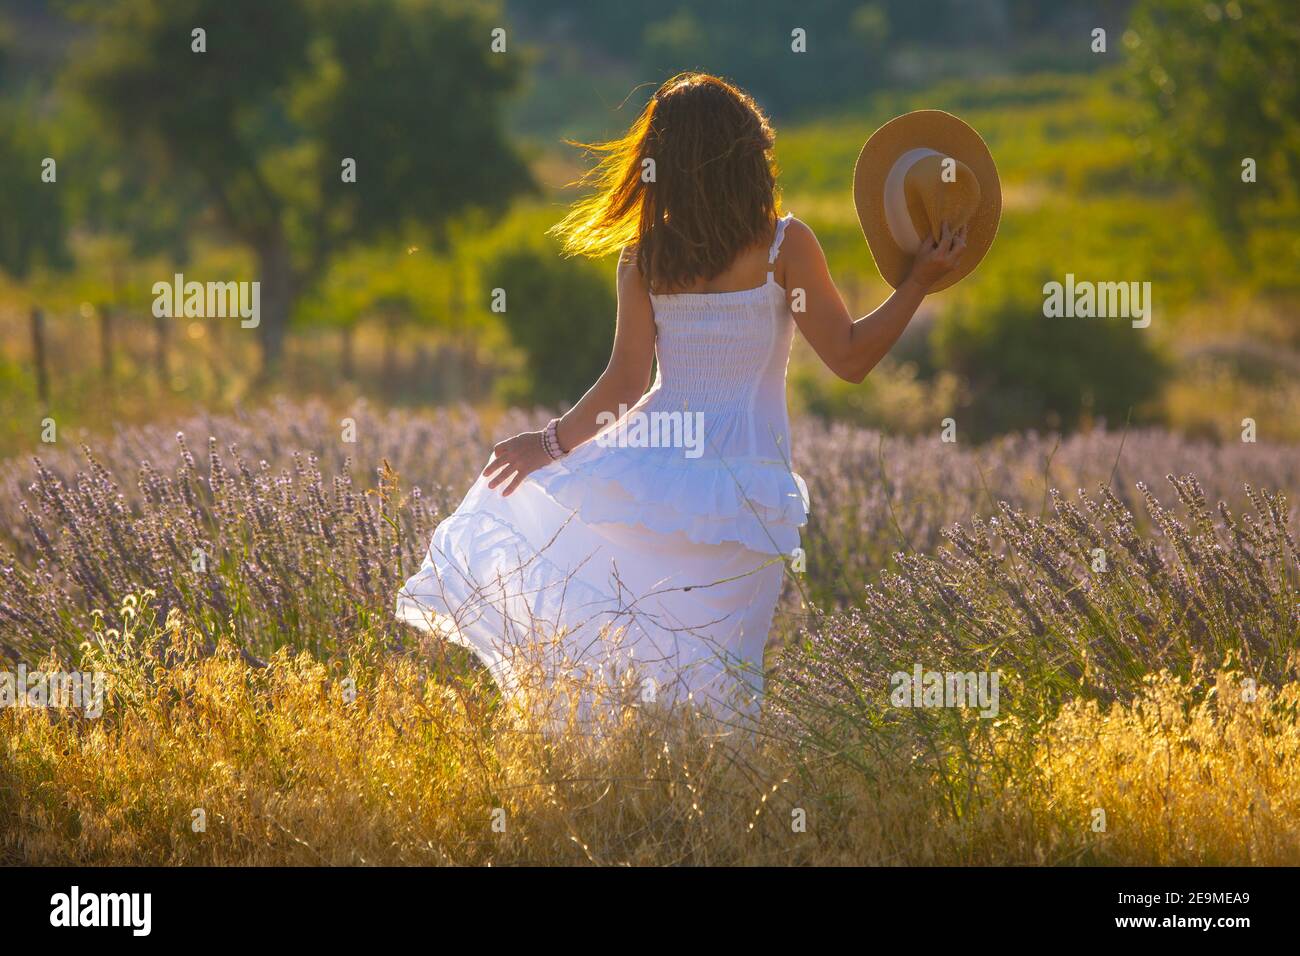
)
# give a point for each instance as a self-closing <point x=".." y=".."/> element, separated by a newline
<point x="638" y="556"/>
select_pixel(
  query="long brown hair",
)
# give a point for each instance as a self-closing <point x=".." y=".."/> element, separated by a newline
<point x="711" y="192"/>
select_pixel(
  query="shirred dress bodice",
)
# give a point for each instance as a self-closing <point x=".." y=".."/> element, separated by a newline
<point x="726" y="354"/>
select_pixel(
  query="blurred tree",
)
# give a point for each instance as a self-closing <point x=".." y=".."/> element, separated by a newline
<point x="561" y="313"/>
<point x="1029" y="371"/>
<point x="749" y="41"/>
<point x="844" y="46"/>
<point x="32" y="225"/>
<point x="1221" y="84"/>
<point x="31" y="197"/>
<point x="116" y="193"/>
<point x="33" y="204"/>
<point x="284" y="94"/>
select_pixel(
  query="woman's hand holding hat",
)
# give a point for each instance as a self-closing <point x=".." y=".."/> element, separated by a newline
<point x="937" y="257"/>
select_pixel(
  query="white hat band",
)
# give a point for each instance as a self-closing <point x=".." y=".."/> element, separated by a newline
<point x="896" y="215"/>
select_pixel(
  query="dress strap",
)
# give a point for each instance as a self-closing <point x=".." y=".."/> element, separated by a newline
<point x="776" y="240"/>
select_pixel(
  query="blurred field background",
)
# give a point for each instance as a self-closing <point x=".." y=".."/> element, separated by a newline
<point x="1162" y="690"/>
<point x="1116" y="166"/>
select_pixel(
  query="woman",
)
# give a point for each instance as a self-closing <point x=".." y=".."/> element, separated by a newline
<point x="639" y="540"/>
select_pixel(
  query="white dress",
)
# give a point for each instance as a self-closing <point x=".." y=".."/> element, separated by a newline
<point x="654" y="554"/>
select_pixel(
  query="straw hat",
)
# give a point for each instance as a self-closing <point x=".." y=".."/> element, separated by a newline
<point x="917" y="172"/>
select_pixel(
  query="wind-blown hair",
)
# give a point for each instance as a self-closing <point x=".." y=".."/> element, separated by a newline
<point x="688" y="187"/>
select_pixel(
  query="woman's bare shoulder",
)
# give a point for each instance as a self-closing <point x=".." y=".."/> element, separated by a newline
<point x="799" y="245"/>
<point x="629" y="270"/>
<point x="799" y="237"/>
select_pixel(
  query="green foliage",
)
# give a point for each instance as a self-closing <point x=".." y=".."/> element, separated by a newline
<point x="839" y="41"/>
<point x="264" y="119"/>
<point x="854" y="47"/>
<point x="561" y="313"/>
<point x="1030" y="371"/>
<point x="385" y="279"/>
<point x="893" y="398"/>
<point x="410" y="90"/>
<point x="32" y="213"/>
<point x="1220" y="85"/>
<point x="116" y="192"/>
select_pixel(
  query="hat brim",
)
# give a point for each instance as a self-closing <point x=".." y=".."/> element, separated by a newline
<point x="943" y="133"/>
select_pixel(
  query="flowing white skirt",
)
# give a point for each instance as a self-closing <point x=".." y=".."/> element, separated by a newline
<point x="536" y="587"/>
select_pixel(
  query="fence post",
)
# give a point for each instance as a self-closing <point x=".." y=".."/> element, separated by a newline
<point x="346" y="355"/>
<point x="38" y="354"/>
<point x="106" y="344"/>
<point x="160" y="348"/>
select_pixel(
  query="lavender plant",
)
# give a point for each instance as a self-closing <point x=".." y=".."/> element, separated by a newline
<point x="1078" y="605"/>
<point x="295" y="553"/>
<point x="873" y="496"/>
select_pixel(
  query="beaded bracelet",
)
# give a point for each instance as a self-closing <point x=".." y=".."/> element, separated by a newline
<point x="551" y="441"/>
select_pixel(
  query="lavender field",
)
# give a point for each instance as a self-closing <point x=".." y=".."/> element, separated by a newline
<point x="305" y="535"/>
<point x="228" y="571"/>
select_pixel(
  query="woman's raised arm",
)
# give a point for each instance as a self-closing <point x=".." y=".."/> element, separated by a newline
<point x="852" y="348"/>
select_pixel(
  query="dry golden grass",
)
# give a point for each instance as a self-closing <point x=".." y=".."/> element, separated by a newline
<point x="289" y="768"/>
<point x="1214" y="781"/>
